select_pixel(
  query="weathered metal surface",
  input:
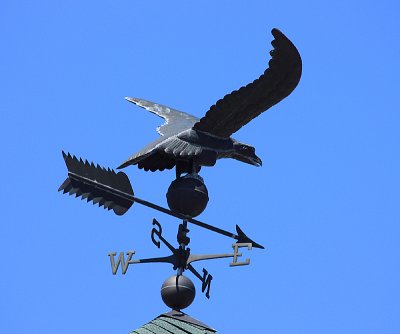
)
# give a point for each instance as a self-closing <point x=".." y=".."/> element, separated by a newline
<point x="100" y="185"/>
<point x="238" y="108"/>
<point x="188" y="195"/>
<point x="178" y="292"/>
<point x="181" y="258"/>
<point x="105" y="187"/>
<point x="189" y="143"/>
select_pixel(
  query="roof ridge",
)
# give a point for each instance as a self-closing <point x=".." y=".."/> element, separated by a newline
<point x="181" y="316"/>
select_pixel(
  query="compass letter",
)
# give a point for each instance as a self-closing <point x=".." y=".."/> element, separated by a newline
<point x="121" y="259"/>
<point x="236" y="254"/>
<point x="157" y="232"/>
<point x="206" y="282"/>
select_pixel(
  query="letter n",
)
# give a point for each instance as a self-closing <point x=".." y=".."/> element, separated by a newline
<point x="206" y="282"/>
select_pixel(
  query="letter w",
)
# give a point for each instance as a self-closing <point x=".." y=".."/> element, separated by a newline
<point x="121" y="259"/>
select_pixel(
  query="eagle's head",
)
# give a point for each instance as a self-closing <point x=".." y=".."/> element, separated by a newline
<point x="247" y="154"/>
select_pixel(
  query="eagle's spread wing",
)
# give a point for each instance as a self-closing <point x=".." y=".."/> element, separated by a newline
<point x="152" y="156"/>
<point x="238" y="108"/>
<point x="175" y="120"/>
<point x="144" y="153"/>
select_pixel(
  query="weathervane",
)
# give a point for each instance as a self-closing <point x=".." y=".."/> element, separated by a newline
<point x="188" y="143"/>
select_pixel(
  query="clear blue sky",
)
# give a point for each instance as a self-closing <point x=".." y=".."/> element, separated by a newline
<point x="325" y="203"/>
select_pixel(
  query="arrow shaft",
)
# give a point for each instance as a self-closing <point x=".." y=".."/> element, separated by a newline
<point x="133" y="199"/>
<point x="184" y="217"/>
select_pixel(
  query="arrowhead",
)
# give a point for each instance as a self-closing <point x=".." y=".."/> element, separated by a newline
<point x="245" y="239"/>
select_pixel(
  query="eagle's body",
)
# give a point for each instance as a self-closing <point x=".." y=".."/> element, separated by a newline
<point x="184" y="148"/>
<point x="189" y="143"/>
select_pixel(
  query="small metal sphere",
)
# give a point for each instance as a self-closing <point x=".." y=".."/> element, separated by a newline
<point x="188" y="195"/>
<point x="178" y="292"/>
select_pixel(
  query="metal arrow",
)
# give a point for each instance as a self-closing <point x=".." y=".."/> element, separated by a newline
<point x="114" y="191"/>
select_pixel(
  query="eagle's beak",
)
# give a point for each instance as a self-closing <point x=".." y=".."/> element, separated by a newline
<point x="257" y="161"/>
<point x="252" y="160"/>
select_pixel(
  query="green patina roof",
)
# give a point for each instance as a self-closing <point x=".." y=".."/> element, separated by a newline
<point x="176" y="323"/>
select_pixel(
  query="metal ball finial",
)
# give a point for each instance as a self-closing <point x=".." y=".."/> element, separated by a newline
<point x="178" y="292"/>
<point x="188" y="195"/>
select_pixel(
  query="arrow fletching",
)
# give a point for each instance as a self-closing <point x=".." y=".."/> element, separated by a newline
<point x="98" y="184"/>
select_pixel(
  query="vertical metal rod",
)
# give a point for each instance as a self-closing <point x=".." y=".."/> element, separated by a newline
<point x="182" y="245"/>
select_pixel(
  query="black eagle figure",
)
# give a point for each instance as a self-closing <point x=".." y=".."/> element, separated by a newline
<point x="189" y="143"/>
